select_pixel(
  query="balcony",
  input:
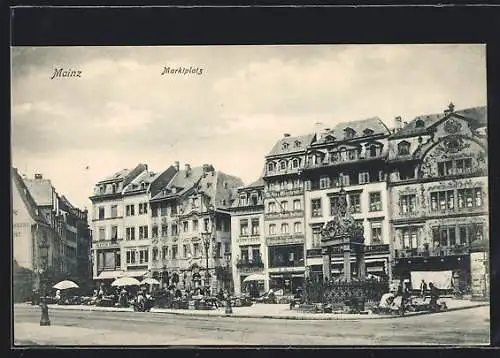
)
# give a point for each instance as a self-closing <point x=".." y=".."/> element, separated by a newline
<point x="377" y="249"/>
<point x="106" y="244"/>
<point x="249" y="239"/>
<point x="284" y="214"/>
<point x="284" y="192"/>
<point x="286" y="263"/>
<point x="108" y="268"/>
<point x="249" y="264"/>
<point x="432" y="252"/>
<point x="316" y="252"/>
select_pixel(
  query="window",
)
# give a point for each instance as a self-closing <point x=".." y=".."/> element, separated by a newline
<point x="254" y="199"/>
<point x="284" y="228"/>
<point x="373" y="151"/>
<point x="316" y="207"/>
<point x="164" y="230"/>
<point x="297" y="227"/>
<point x="102" y="233"/>
<point x="143" y="256"/>
<point x="344" y="179"/>
<point x="375" y="201"/>
<point x="364" y="177"/>
<point x="197" y="250"/>
<point x="130" y="210"/>
<point x="419" y="123"/>
<point x="196" y="202"/>
<point x="284" y="206"/>
<point x="154" y="211"/>
<point x="195" y="225"/>
<point x="186" y="248"/>
<point x="173" y="209"/>
<point x="205" y="225"/>
<point x="324" y="182"/>
<point x="410" y="237"/>
<point x="130" y="256"/>
<point x="376" y="232"/>
<point x="297" y="143"/>
<point x="295" y="163"/>
<point x="174" y="229"/>
<point x="164" y="253"/>
<point x="114" y="233"/>
<point x="185" y="226"/>
<point x="352" y="154"/>
<point x="243" y="200"/>
<point x="270" y="167"/>
<point x="463" y="166"/>
<point x="285" y="145"/>
<point x="143" y="232"/>
<point x="174" y="252"/>
<point x="244" y="227"/>
<point x="143" y="208"/>
<point x="101" y="213"/>
<point x="114" y="211"/>
<point x="272" y="207"/>
<point x="408" y="203"/>
<point x="355" y="202"/>
<point x="349" y="132"/>
<point x="334" y="204"/>
<point x="470" y="198"/>
<point x="283" y="165"/>
<point x="163" y="209"/>
<point x="255" y="227"/>
<point x="130" y="233"/>
<point x="445" y="168"/>
<point x="442" y="200"/>
<point x="272" y="229"/>
<point x="244" y="254"/>
<point x="154" y="231"/>
<point x="296" y="205"/>
<point x="316" y="236"/>
<point x="403" y="148"/>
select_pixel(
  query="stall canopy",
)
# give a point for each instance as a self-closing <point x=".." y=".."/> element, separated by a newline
<point x="109" y="275"/>
<point x="135" y="273"/>
<point x="440" y="279"/>
<point x="256" y="277"/>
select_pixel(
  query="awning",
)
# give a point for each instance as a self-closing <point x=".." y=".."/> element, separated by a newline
<point x="108" y="275"/>
<point x="135" y="273"/>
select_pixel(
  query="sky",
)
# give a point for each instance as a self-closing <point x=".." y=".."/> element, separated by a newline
<point x="122" y="111"/>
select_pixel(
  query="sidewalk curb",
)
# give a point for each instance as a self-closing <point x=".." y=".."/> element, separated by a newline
<point x="287" y="317"/>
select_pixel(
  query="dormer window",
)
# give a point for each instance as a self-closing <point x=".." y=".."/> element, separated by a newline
<point x="295" y="163"/>
<point x="329" y="138"/>
<point x="270" y="167"/>
<point x="283" y="165"/>
<point x="143" y="185"/>
<point x="403" y="148"/>
<point x="373" y="151"/>
<point x="284" y="146"/>
<point x="164" y="191"/>
<point x="297" y="144"/>
<point x="349" y="132"/>
<point x="113" y="188"/>
<point x="368" y="131"/>
<point x="419" y="123"/>
<point x="243" y="200"/>
<point x="102" y="189"/>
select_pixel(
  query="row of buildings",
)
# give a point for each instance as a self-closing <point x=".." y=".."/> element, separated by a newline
<point x="51" y="237"/>
<point x="419" y="190"/>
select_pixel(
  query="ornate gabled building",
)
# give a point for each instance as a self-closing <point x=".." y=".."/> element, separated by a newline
<point x="249" y="250"/>
<point x="284" y="212"/>
<point x="438" y="185"/>
<point x="352" y="155"/>
<point x="191" y="209"/>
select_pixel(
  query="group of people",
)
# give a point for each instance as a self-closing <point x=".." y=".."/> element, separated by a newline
<point x="400" y="299"/>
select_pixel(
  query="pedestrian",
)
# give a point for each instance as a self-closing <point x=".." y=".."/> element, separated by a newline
<point x="423" y="288"/>
<point x="434" y="293"/>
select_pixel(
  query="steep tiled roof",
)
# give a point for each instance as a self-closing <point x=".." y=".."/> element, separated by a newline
<point x="118" y="175"/>
<point x="146" y="177"/>
<point x="477" y="117"/>
<point x="41" y="190"/>
<point x="26" y="196"/>
<point x="182" y="182"/>
<point x="287" y="145"/>
<point x="258" y="183"/>
<point x="374" y="124"/>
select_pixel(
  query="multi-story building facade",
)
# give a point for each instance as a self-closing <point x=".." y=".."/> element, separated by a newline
<point x="284" y="204"/>
<point x="190" y="212"/>
<point x="42" y="216"/>
<point x="352" y="155"/>
<point x="249" y="248"/>
<point x="438" y="185"/>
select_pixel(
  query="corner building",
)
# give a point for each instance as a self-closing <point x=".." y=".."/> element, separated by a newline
<point x="438" y="185"/>
<point x="352" y="155"/>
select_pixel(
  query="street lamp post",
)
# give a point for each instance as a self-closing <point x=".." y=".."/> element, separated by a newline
<point x="229" y="309"/>
<point x="206" y="244"/>
<point x="43" y="253"/>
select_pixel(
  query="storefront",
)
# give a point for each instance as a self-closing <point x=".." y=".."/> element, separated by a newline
<point x="288" y="282"/>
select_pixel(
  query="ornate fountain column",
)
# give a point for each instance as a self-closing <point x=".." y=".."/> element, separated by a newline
<point x="327" y="264"/>
<point x="360" y="261"/>
<point x="347" y="262"/>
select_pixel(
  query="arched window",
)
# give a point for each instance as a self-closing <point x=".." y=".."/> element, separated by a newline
<point x="403" y="148"/>
<point x="419" y="123"/>
<point x="295" y="163"/>
<point x="270" y="167"/>
<point x="283" y="165"/>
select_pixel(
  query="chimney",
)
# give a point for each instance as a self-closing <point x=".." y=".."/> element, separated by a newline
<point x="188" y="169"/>
<point x="38" y="176"/>
<point x="318" y="128"/>
<point x="286" y="135"/>
<point x="206" y="168"/>
<point x="398" y="123"/>
<point x="176" y="165"/>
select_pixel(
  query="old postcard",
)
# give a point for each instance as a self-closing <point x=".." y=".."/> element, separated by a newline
<point x="244" y="195"/>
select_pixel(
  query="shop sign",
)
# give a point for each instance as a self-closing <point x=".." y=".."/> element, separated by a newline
<point x="105" y="244"/>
